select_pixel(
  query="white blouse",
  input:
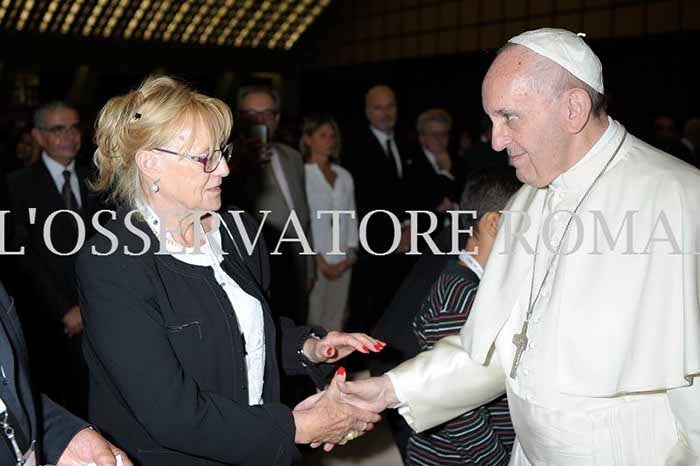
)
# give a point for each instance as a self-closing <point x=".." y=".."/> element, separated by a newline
<point x="248" y="309"/>
<point x="322" y="196"/>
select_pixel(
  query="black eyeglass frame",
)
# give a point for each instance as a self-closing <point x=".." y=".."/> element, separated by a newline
<point x="224" y="151"/>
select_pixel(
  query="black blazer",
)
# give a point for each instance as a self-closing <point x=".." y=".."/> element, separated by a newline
<point x="376" y="186"/>
<point x="52" y="276"/>
<point x="166" y="356"/>
<point x="395" y="327"/>
<point x="428" y="188"/>
<point x="37" y="417"/>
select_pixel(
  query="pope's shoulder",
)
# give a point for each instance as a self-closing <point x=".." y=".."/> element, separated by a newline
<point x="655" y="171"/>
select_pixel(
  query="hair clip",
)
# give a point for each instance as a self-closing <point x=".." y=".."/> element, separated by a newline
<point x="137" y="116"/>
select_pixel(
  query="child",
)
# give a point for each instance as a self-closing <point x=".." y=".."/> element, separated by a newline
<point x="485" y="436"/>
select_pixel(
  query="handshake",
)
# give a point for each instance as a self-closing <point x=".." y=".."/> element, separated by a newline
<point x="344" y="411"/>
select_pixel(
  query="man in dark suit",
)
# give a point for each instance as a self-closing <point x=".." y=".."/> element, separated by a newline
<point x="43" y="431"/>
<point x="37" y="192"/>
<point x="433" y="185"/>
<point x="272" y="178"/>
<point x="378" y="162"/>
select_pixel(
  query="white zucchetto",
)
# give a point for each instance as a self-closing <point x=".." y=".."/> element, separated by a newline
<point x="566" y="49"/>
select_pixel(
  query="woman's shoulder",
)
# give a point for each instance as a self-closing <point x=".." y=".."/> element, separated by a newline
<point x="341" y="171"/>
<point x="122" y="239"/>
<point x="344" y="176"/>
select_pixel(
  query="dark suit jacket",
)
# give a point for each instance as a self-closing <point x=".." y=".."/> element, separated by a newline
<point x="38" y="418"/>
<point x="254" y="187"/>
<point x="396" y="324"/>
<point x="428" y="188"/>
<point x="52" y="277"/>
<point x="376" y="186"/>
<point x="167" y="359"/>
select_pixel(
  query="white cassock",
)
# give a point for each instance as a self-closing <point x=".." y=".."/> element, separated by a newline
<point x="614" y="339"/>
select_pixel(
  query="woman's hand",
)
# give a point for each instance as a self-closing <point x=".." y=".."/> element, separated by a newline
<point x="325" y="419"/>
<point x="89" y="447"/>
<point x="330" y="271"/>
<point x="336" y="345"/>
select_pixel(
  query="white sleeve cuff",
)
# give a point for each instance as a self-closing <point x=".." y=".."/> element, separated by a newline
<point x="447" y="174"/>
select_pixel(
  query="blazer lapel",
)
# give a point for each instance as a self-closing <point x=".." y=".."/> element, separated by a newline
<point x="85" y="194"/>
<point x="290" y="172"/>
<point x="46" y="188"/>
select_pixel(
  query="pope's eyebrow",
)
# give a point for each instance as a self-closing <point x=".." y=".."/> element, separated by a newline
<point x="504" y="112"/>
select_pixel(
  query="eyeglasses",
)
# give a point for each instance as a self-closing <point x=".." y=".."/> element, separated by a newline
<point x="210" y="161"/>
<point x="60" y="130"/>
<point x="263" y="115"/>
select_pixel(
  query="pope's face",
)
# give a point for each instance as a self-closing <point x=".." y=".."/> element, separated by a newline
<point x="525" y="123"/>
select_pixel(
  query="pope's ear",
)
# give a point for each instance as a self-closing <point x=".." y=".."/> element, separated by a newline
<point x="148" y="163"/>
<point x="577" y="110"/>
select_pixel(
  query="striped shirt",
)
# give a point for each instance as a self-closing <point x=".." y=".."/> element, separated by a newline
<point x="482" y="437"/>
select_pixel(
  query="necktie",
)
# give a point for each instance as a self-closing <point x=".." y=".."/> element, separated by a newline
<point x="392" y="158"/>
<point x="69" y="200"/>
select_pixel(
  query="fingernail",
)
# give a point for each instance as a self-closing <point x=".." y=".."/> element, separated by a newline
<point x="329" y="351"/>
<point x="378" y="347"/>
<point x="341" y="371"/>
<point x="365" y="349"/>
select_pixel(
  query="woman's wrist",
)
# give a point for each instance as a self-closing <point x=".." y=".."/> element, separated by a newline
<point x="309" y="348"/>
<point x="301" y="434"/>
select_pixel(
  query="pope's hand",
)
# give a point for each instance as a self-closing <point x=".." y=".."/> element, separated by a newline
<point x="325" y="419"/>
<point x="336" y="345"/>
<point x="374" y="394"/>
<point x="88" y="447"/>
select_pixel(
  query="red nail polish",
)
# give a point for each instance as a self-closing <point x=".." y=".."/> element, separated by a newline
<point x="341" y="371"/>
<point x="378" y="347"/>
<point x="329" y="352"/>
<point x="365" y="349"/>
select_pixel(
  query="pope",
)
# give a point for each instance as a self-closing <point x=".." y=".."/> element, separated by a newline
<point x="588" y="314"/>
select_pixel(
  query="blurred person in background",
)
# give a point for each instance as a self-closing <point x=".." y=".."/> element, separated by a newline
<point x="691" y="139"/>
<point x="53" y="182"/>
<point x="329" y="187"/>
<point x="27" y="149"/>
<point x="433" y="185"/>
<point x="666" y="138"/>
<point x="269" y="176"/>
<point x="378" y="159"/>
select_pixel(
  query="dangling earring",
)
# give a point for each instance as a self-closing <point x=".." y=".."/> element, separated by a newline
<point x="154" y="185"/>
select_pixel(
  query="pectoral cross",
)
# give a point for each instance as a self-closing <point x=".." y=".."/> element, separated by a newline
<point x="520" y="342"/>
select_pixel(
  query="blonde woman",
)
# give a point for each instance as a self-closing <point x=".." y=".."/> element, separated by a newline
<point x="329" y="187"/>
<point x="179" y="339"/>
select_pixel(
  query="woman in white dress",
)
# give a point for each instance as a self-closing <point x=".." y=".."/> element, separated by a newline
<point x="329" y="187"/>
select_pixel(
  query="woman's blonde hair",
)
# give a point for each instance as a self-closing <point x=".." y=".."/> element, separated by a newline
<point x="144" y="119"/>
<point x="312" y="122"/>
